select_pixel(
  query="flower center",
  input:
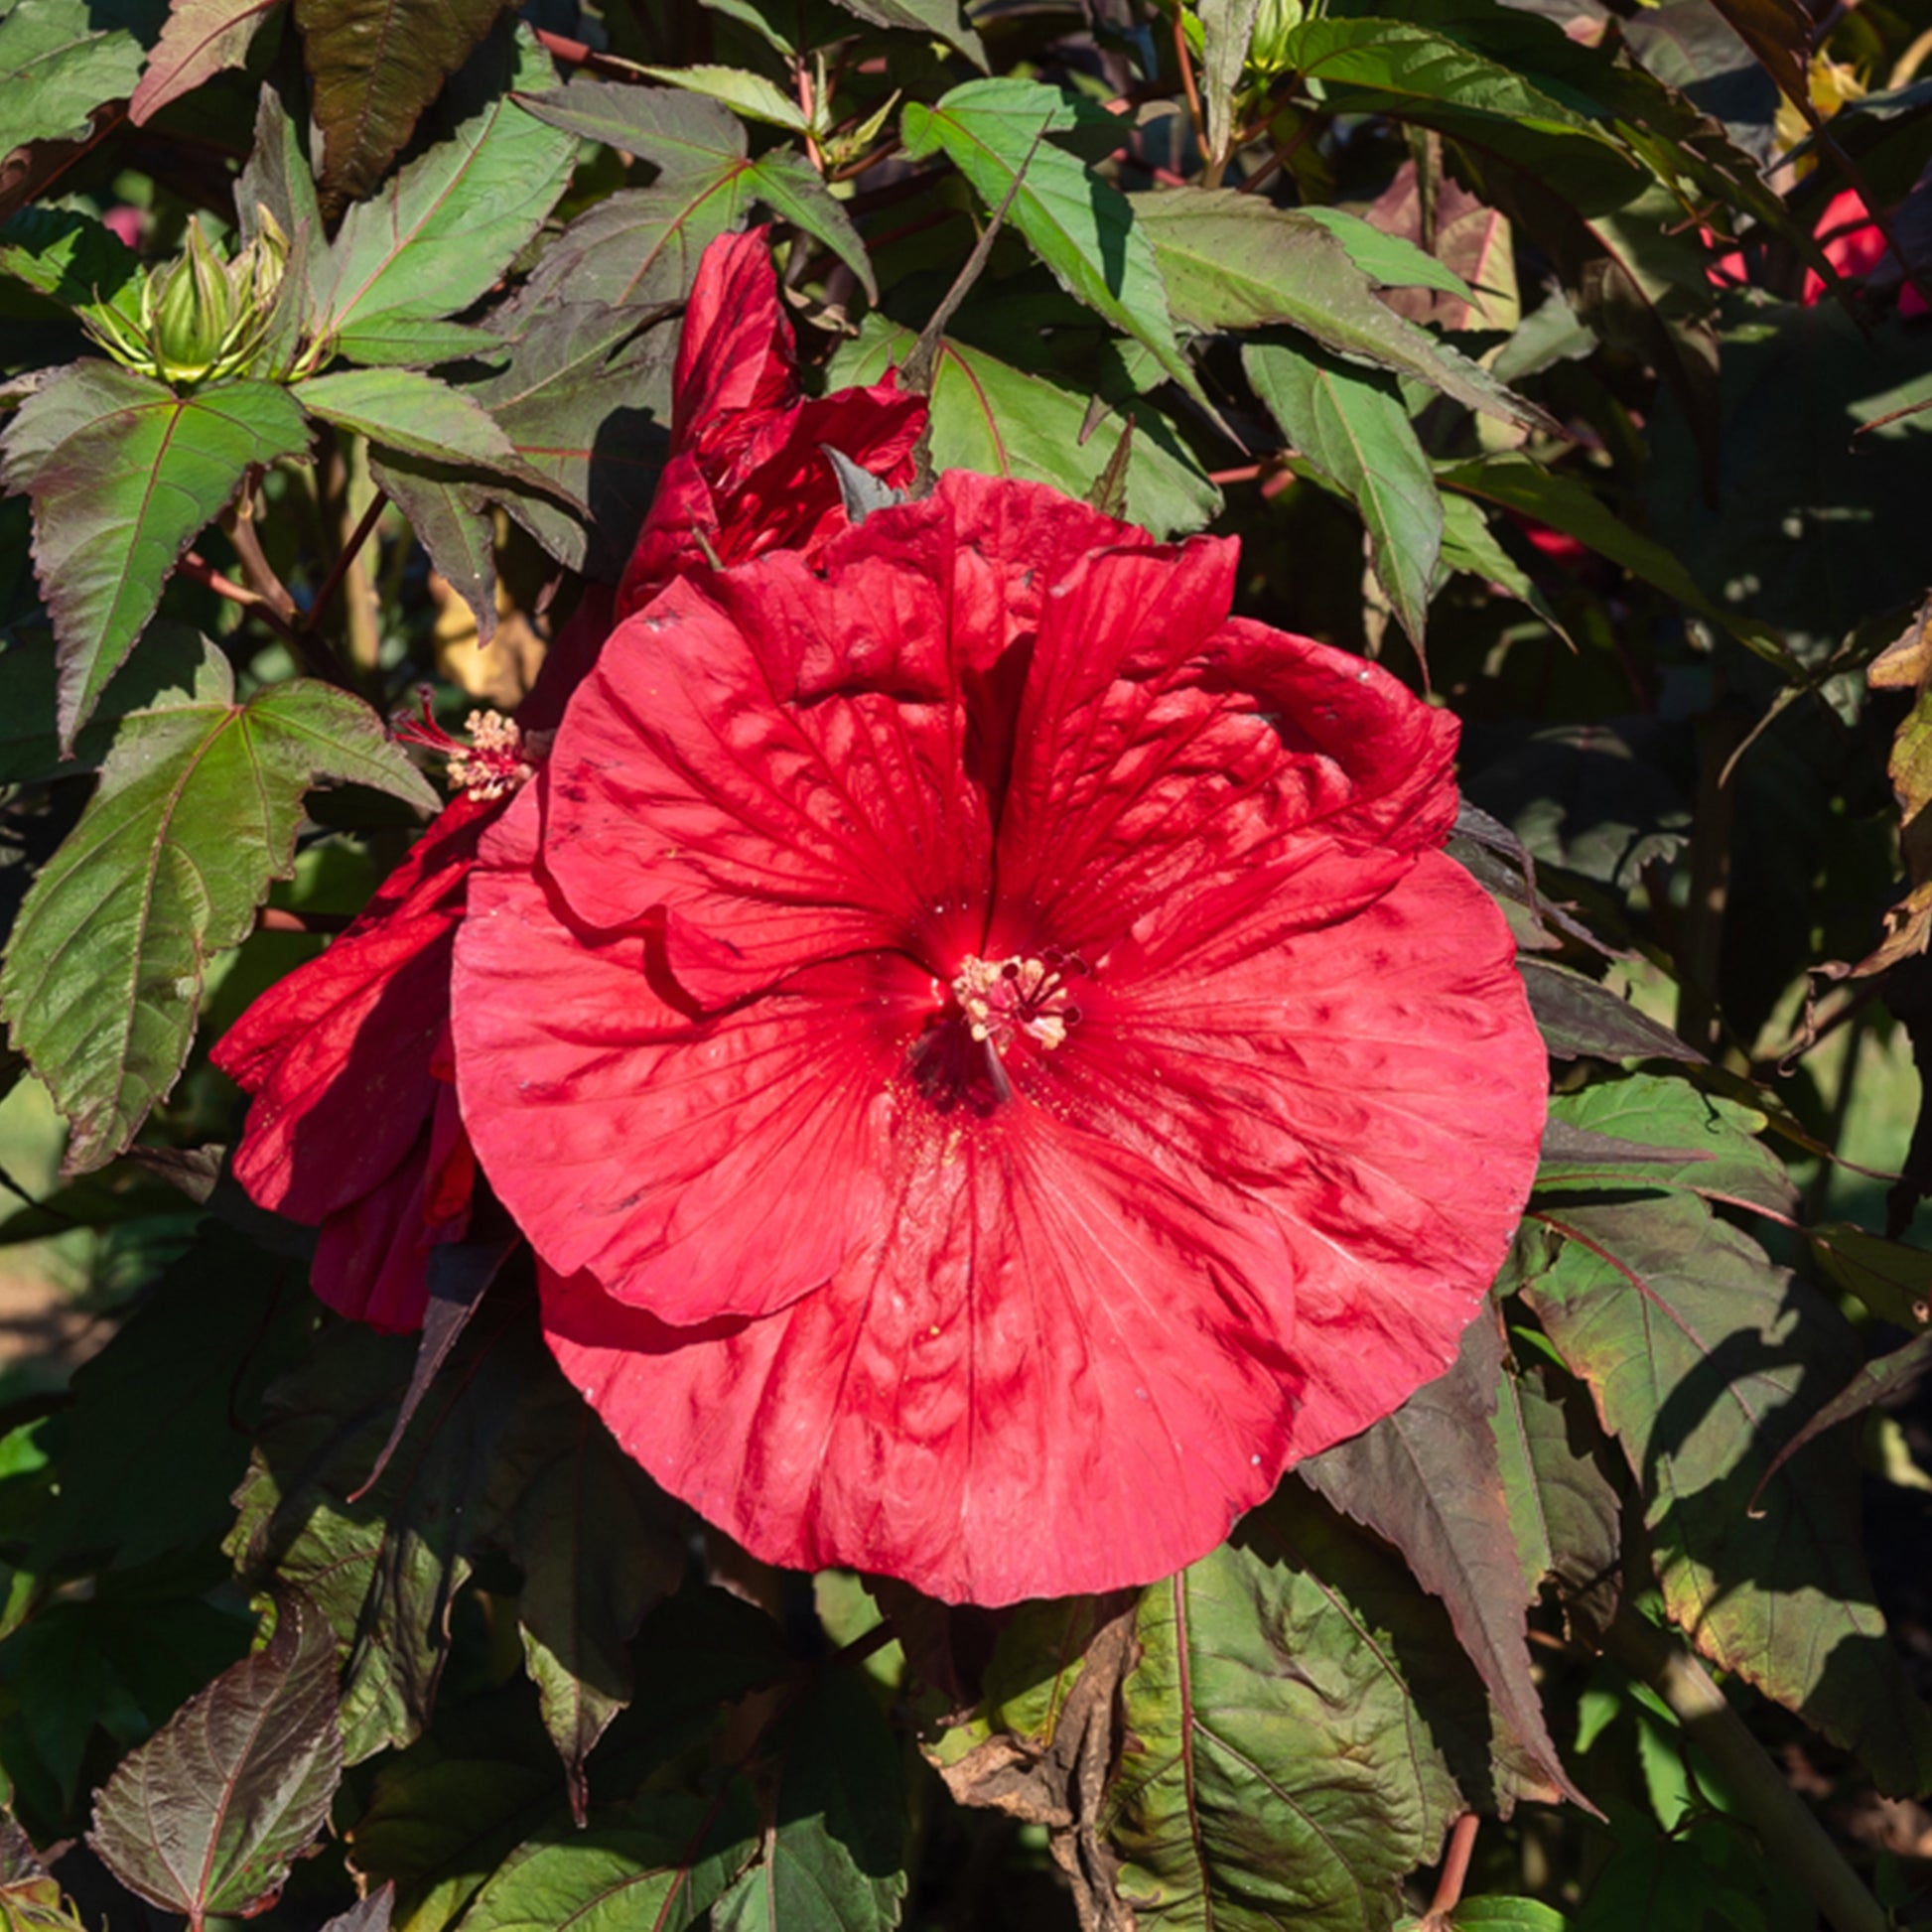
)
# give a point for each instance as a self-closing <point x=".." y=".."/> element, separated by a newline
<point x="959" y="1059"/>
<point x="497" y="759"/>
<point x="1005" y="998"/>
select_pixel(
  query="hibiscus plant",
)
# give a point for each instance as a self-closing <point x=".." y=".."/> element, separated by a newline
<point x="966" y="933"/>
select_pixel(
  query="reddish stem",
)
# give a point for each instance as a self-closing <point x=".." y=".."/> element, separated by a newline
<point x="272" y="919"/>
<point x="1456" y="1870"/>
<point x="580" y="54"/>
<point x="333" y="583"/>
<point x="1187" y="77"/>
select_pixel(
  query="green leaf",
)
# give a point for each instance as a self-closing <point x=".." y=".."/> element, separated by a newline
<point x="1285" y="1724"/>
<point x="1566" y="505"/>
<point x="374" y="66"/>
<point x="198" y="40"/>
<point x="1492" y="1916"/>
<point x="1353" y="428"/>
<point x="1889" y="1379"/>
<point x="447" y="224"/>
<point x="1578" y="1017"/>
<point x="1429" y="1479"/>
<point x="835" y="1845"/>
<point x="449" y="511"/>
<point x="168" y="659"/>
<point x="403" y="409"/>
<point x="1391" y="261"/>
<point x="399" y="342"/>
<point x="276" y="185"/>
<point x="1705" y="1144"/>
<point x="789" y="186"/>
<point x="1567" y="1512"/>
<point x="1003" y="422"/>
<point x="1413" y="71"/>
<point x="660" y="1861"/>
<point x="641" y="245"/>
<point x="1227" y="32"/>
<point x="69" y="257"/>
<point x="277" y="177"/>
<point x="196" y="811"/>
<point x="1703" y="1358"/>
<point x="1892" y="1279"/>
<point x="1084" y="230"/>
<point x="1233" y="261"/>
<point x="56" y="65"/>
<point x="383" y="1568"/>
<point x="598" y="1547"/>
<point x="124" y="474"/>
<point x="749" y="95"/>
<point x="150" y="1452"/>
<point x="1038" y="1658"/>
<point x="680" y="133"/>
<point x="209" y="1814"/>
<point x="939" y="20"/>
<point x="439" y="1825"/>
<point x="1470" y="545"/>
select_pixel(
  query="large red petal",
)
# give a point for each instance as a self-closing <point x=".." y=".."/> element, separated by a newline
<point x="373" y="1255"/>
<point x="718" y="1166"/>
<point x="1167" y="761"/>
<point x="736" y="349"/>
<point x="1374" y="1086"/>
<point x="339" y="1055"/>
<point x="1047" y="1375"/>
<point x="783" y="777"/>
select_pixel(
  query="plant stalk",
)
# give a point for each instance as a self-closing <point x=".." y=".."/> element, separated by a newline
<point x="1791" y="1835"/>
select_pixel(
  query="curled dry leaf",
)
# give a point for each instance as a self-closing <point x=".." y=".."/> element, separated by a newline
<point x="1061" y="1784"/>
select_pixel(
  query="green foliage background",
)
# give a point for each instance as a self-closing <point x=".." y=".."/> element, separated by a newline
<point x="1504" y="337"/>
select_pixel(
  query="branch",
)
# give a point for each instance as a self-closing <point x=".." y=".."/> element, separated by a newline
<point x="333" y="583"/>
<point x="1791" y="1835"/>
<point x="274" y="919"/>
<point x="238" y="526"/>
<point x="1454" y="1874"/>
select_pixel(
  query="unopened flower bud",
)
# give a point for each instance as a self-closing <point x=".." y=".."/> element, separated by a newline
<point x="193" y="310"/>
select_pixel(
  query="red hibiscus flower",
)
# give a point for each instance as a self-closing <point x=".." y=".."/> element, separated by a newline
<point x="1852" y="243"/>
<point x="354" y="1127"/>
<point x="988" y="1051"/>
<point x="748" y="471"/>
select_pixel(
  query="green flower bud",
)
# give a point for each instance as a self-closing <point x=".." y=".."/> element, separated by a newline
<point x="1276" y="20"/>
<point x="193" y="310"/>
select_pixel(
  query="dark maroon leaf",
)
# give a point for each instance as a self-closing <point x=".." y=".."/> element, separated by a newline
<point x="375" y="65"/>
<point x="459" y="1275"/>
<point x="586" y="402"/>
<point x="1890" y="1378"/>
<point x="1578" y="1017"/>
<point x="1778" y="32"/>
<point x="1428" y="1479"/>
<point x="371" y="1914"/>
<point x="1702" y="1357"/>
<point x="598" y="1546"/>
<point x="208" y="1814"/>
